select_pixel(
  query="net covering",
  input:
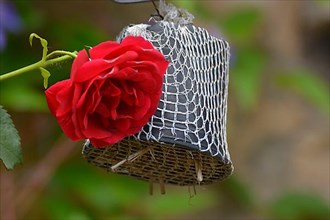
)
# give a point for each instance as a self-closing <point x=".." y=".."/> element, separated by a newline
<point x="184" y="142"/>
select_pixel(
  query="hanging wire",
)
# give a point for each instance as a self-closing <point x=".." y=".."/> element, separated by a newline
<point x="157" y="10"/>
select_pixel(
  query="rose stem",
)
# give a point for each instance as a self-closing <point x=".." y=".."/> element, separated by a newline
<point x="35" y="66"/>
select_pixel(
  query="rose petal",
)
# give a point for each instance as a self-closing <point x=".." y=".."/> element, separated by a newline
<point x="90" y="70"/>
<point x="103" y="49"/>
<point x="95" y="128"/>
<point x="69" y="128"/>
<point x="100" y="67"/>
<point x="122" y="125"/>
<point x="112" y="139"/>
<point x="58" y="97"/>
<point x="111" y="99"/>
<point x="82" y="57"/>
<point x="145" y="105"/>
<point x="111" y="94"/>
<point x="137" y="41"/>
<point x="130" y="43"/>
<point x="93" y="87"/>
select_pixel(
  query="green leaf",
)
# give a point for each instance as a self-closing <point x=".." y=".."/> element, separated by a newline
<point x="45" y="74"/>
<point x="308" y="85"/>
<point x="10" y="146"/>
<point x="43" y="42"/>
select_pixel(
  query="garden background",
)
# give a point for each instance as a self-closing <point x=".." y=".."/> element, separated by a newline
<point x="278" y="114"/>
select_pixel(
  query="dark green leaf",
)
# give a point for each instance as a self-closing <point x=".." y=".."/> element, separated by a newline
<point x="10" y="146"/>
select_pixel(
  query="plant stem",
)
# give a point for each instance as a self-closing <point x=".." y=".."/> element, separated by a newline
<point x="35" y="66"/>
<point x="20" y="71"/>
<point x="62" y="52"/>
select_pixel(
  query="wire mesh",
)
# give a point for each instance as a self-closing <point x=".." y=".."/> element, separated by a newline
<point x="184" y="142"/>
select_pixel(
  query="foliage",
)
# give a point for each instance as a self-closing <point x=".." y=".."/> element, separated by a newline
<point x="80" y="191"/>
<point x="246" y="78"/>
<point x="239" y="191"/>
<point x="93" y="195"/>
<point x="10" y="145"/>
<point x="308" y="85"/>
<point x="297" y="206"/>
<point x="242" y="25"/>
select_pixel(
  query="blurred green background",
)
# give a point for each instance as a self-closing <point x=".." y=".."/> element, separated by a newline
<point x="278" y="114"/>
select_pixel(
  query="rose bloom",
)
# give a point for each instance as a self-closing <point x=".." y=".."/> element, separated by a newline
<point x="112" y="91"/>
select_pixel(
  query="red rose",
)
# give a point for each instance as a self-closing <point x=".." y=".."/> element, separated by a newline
<point x="111" y="93"/>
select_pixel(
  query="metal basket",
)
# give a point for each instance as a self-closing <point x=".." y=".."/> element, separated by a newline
<point x="184" y="143"/>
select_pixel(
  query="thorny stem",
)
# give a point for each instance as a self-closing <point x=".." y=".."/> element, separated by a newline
<point x="41" y="63"/>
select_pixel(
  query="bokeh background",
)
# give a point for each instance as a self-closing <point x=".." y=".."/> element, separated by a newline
<point x="278" y="114"/>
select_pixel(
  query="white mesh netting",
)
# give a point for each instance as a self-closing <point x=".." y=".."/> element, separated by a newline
<point x="184" y="142"/>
